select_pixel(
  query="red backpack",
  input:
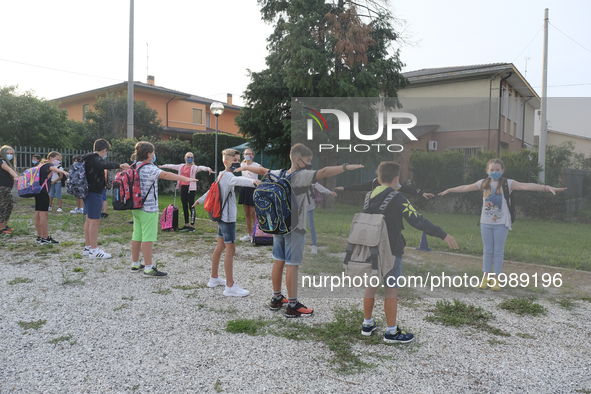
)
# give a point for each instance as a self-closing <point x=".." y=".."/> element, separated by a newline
<point x="213" y="202"/>
<point x="127" y="191"/>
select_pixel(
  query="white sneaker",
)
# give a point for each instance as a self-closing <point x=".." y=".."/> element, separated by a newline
<point x="49" y="209"/>
<point x="60" y="210"/>
<point x="86" y="252"/>
<point x="215" y="282"/>
<point x="99" y="254"/>
<point x="235" y="291"/>
<point x="246" y="238"/>
<point x="75" y="210"/>
<point x="314" y="249"/>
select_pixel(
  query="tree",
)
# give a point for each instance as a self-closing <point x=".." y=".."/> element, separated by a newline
<point x="109" y="120"/>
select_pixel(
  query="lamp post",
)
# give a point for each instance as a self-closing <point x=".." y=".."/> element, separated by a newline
<point x="217" y="109"/>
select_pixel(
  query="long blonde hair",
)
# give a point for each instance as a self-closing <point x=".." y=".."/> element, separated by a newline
<point x="11" y="163"/>
<point x="486" y="184"/>
<point x="50" y="156"/>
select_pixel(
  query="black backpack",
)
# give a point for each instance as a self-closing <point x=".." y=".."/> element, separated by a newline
<point x="509" y="199"/>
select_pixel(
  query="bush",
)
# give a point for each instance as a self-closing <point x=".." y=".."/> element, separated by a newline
<point x="519" y="165"/>
<point x="437" y="172"/>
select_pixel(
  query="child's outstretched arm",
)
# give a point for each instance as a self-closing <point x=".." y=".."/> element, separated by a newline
<point x="327" y="172"/>
<point x="536" y="188"/>
<point x="260" y="170"/>
<point x="55" y="169"/>
<point x="169" y="176"/>
<point x="460" y="189"/>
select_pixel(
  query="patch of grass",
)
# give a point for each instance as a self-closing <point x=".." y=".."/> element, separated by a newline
<point x="566" y="303"/>
<point x="35" y="325"/>
<point x="20" y="280"/>
<point x="522" y="306"/>
<point x="495" y="341"/>
<point x="63" y="338"/>
<point x="67" y="281"/>
<point x="78" y="269"/>
<point x="127" y="298"/>
<point x="461" y="314"/>
<point x="524" y="335"/>
<point x="77" y="255"/>
<point x="162" y="291"/>
<point x="123" y="306"/>
<point x="218" y="386"/>
<point x="66" y="244"/>
<point x="246" y="326"/>
<point x="190" y="287"/>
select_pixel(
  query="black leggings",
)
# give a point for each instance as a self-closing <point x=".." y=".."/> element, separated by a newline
<point x="188" y="199"/>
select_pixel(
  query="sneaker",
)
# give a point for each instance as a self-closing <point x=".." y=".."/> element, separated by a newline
<point x="85" y="252"/>
<point x="246" y="238"/>
<point x="75" y="210"/>
<point x="190" y="229"/>
<point x="215" y="282"/>
<point x="104" y="215"/>
<point x="99" y="254"/>
<point x="484" y="284"/>
<point x="184" y="228"/>
<point x="398" y="337"/>
<point x="38" y="240"/>
<point x="6" y="230"/>
<point x="130" y="222"/>
<point x="277" y="303"/>
<point x="138" y="268"/>
<point x="494" y="284"/>
<point x="314" y="249"/>
<point x="299" y="310"/>
<point x="49" y="209"/>
<point x="235" y="291"/>
<point x="60" y="210"/>
<point x="367" y="329"/>
<point x="48" y="241"/>
<point x="154" y="273"/>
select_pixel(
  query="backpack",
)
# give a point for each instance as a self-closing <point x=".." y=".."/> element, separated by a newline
<point x="127" y="191"/>
<point x="509" y="199"/>
<point x="276" y="211"/>
<point x="213" y="202"/>
<point x="77" y="184"/>
<point x="318" y="197"/>
<point x="28" y="182"/>
<point x="368" y="251"/>
<point x="169" y="221"/>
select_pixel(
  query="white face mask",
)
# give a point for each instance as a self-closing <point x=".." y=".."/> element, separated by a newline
<point x="247" y="157"/>
<point x="56" y="162"/>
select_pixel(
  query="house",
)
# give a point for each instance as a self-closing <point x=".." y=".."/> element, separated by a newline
<point x="554" y="137"/>
<point x="469" y="108"/>
<point x="182" y="114"/>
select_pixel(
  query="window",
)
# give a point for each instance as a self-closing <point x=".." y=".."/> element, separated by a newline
<point x="469" y="151"/>
<point x="504" y="101"/>
<point x="85" y="109"/>
<point x="197" y="116"/>
<point x="208" y="119"/>
<point x="510" y="106"/>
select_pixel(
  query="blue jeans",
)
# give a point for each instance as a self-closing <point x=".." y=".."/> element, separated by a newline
<point x="493" y="242"/>
<point x="310" y="218"/>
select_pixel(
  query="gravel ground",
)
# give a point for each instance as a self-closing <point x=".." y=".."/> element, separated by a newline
<point x="115" y="331"/>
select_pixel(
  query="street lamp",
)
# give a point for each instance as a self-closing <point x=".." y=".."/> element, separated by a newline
<point x="217" y="109"/>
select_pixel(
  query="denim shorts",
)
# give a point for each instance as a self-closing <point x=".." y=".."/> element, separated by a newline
<point x="104" y="194"/>
<point x="289" y="247"/>
<point x="56" y="190"/>
<point x="391" y="278"/>
<point x="93" y="205"/>
<point x="227" y="231"/>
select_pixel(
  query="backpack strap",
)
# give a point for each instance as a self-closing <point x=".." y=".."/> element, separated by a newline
<point x="153" y="183"/>
<point x="509" y="199"/>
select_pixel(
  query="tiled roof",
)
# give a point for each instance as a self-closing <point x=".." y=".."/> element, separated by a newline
<point x="455" y="69"/>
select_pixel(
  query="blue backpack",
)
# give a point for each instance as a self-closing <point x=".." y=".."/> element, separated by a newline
<point x="273" y="206"/>
<point x="78" y="184"/>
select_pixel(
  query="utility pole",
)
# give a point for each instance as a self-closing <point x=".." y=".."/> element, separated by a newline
<point x="130" y="75"/>
<point x="543" y="122"/>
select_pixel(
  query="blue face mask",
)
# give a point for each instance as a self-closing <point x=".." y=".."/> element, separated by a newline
<point x="104" y="157"/>
<point x="10" y="157"/>
<point x="189" y="160"/>
<point x="35" y="162"/>
<point x="495" y="175"/>
<point x="154" y="159"/>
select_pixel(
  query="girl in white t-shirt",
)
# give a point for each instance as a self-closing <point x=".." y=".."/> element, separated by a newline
<point x="246" y="193"/>
<point x="495" y="219"/>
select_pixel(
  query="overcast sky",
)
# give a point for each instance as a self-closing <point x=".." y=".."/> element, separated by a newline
<point x="205" y="47"/>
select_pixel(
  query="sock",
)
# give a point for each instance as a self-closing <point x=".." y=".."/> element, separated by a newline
<point x="392" y="329"/>
<point x="136" y="264"/>
<point x="277" y="294"/>
<point x="93" y="250"/>
<point x="368" y="321"/>
<point x="292" y="302"/>
<point x="87" y="247"/>
<point x="147" y="268"/>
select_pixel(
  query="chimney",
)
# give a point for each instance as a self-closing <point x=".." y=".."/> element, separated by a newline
<point x="229" y="100"/>
<point x="151" y="80"/>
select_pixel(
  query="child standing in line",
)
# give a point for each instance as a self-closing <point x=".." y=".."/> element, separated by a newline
<point x="246" y="194"/>
<point x="7" y="178"/>
<point x="56" y="187"/>
<point x="289" y="248"/>
<point x="105" y="209"/>
<point x="495" y="219"/>
<point x="397" y="208"/>
<point x="310" y="212"/>
<point x="188" y="189"/>
<point x="79" y="201"/>
<point x="145" y="220"/>
<point x="227" y="225"/>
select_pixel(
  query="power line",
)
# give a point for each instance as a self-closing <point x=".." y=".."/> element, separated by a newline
<point x="587" y="49"/>
<point x="532" y="40"/>
<point x="57" y="69"/>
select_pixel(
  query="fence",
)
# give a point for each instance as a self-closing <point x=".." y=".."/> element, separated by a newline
<point x="574" y="180"/>
<point x="23" y="155"/>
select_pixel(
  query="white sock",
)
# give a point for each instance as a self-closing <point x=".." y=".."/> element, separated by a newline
<point x="93" y="250"/>
<point x="87" y="247"/>
<point x="392" y="329"/>
<point x="368" y="321"/>
<point x="136" y="264"/>
<point x="147" y="268"/>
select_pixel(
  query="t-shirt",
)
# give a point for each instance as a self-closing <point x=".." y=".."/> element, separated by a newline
<point x="54" y="175"/>
<point x="43" y="175"/>
<point x="249" y="174"/>
<point x="226" y="182"/>
<point x="149" y="174"/>
<point x="301" y="179"/>
<point x="494" y="206"/>
<point x="6" y="179"/>
<point x="185" y="171"/>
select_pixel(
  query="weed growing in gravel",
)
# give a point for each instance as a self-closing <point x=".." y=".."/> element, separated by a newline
<point x="218" y="386"/>
<point x="124" y="306"/>
<point x="20" y="280"/>
<point x="495" y="341"/>
<point x="524" y="335"/>
<point x="190" y="287"/>
<point x="66" y="244"/>
<point x="35" y="325"/>
<point x="246" y="326"/>
<point x="77" y="255"/>
<point x="566" y="303"/>
<point x="78" y="269"/>
<point x="162" y="291"/>
<point x="460" y="314"/>
<point x="67" y="281"/>
<point x="57" y="340"/>
<point x="522" y="306"/>
<point x="127" y="298"/>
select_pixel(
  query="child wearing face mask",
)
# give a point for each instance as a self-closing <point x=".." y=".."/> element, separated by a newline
<point x="7" y="178"/>
<point x="55" y="190"/>
<point x="188" y="189"/>
<point x="246" y="194"/>
<point x="495" y="219"/>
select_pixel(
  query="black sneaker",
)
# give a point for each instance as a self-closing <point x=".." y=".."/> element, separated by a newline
<point x="190" y="229"/>
<point x="48" y="241"/>
<point x="398" y="337"/>
<point x="38" y="240"/>
<point x="138" y="268"/>
<point x="277" y="303"/>
<point x="104" y="215"/>
<point x="130" y="222"/>
<point x="367" y="329"/>
<point x="185" y="228"/>
<point x="154" y="273"/>
<point x="298" y="310"/>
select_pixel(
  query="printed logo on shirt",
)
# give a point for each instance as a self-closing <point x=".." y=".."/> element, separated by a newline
<point x="410" y="209"/>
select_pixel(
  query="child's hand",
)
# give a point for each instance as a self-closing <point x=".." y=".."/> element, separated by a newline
<point x="196" y="203"/>
<point x="210" y="171"/>
<point x="333" y="194"/>
<point x="124" y="166"/>
<point x="53" y="183"/>
<point x="257" y="182"/>
<point x="66" y="173"/>
<point x="428" y="195"/>
<point x="191" y="180"/>
<point x="451" y="241"/>
<point x="443" y="193"/>
<point x="160" y="167"/>
<point x="556" y="189"/>
<point x="339" y="188"/>
<point x="351" y="167"/>
<point x="16" y="178"/>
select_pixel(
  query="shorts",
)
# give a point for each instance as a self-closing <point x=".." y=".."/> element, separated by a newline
<point x="42" y="202"/>
<point x="145" y="226"/>
<point x="56" y="190"/>
<point x="289" y="247"/>
<point x="227" y="231"/>
<point x="93" y="205"/>
<point x="105" y="195"/>
<point x="6" y="203"/>
<point x="245" y="197"/>
<point x="391" y="278"/>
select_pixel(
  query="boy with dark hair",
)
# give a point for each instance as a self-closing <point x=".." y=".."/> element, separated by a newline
<point x="397" y="208"/>
<point x="289" y="248"/>
<point x="94" y="166"/>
